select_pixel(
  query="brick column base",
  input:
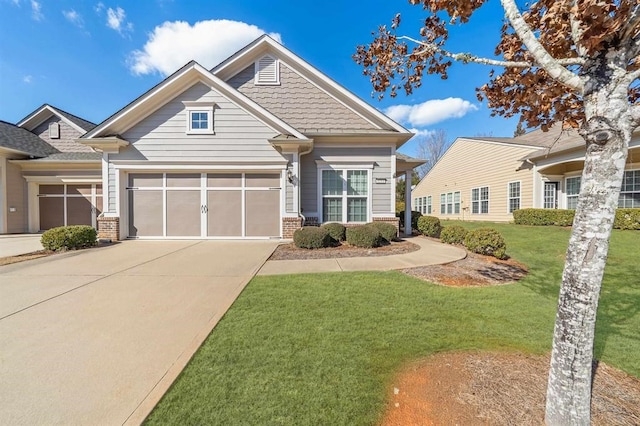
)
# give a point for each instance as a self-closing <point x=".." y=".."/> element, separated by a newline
<point x="109" y="228"/>
<point x="289" y="226"/>
<point x="392" y="220"/>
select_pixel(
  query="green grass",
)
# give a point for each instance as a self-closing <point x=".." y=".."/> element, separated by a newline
<point x="323" y="348"/>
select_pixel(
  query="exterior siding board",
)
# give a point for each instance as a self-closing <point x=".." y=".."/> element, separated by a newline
<point x="66" y="141"/>
<point x="16" y="198"/>
<point x="112" y="187"/>
<point x="162" y="136"/>
<point x="471" y="164"/>
<point x="288" y="190"/>
<point x="379" y="156"/>
<point x="299" y="102"/>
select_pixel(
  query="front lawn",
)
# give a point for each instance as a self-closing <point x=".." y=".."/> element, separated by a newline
<point x="323" y="348"/>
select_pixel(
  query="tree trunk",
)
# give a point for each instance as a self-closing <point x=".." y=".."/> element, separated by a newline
<point x="569" y="387"/>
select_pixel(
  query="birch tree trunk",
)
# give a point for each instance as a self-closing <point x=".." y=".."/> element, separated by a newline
<point x="607" y="137"/>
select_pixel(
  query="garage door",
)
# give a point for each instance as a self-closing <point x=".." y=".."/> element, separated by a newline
<point x="204" y="205"/>
<point x="61" y="205"/>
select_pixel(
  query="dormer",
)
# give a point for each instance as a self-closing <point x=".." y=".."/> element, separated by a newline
<point x="267" y="70"/>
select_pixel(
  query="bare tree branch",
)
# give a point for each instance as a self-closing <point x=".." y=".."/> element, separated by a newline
<point x="539" y="53"/>
<point x="468" y="57"/>
<point x="576" y="32"/>
<point x="635" y="114"/>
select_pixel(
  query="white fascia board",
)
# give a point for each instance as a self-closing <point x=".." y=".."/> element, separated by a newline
<point x="337" y="91"/>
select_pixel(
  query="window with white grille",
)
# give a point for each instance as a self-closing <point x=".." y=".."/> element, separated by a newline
<point x="267" y="70"/>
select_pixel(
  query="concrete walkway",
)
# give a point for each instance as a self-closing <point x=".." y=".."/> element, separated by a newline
<point x="430" y="253"/>
<point x="96" y="337"/>
<point x="15" y="244"/>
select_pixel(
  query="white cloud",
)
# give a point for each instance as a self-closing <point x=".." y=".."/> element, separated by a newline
<point x="99" y="7"/>
<point x="74" y="17"/>
<point x="173" y="44"/>
<point x="422" y="133"/>
<point x="36" y="11"/>
<point x="430" y="112"/>
<point x="27" y="79"/>
<point x="117" y="20"/>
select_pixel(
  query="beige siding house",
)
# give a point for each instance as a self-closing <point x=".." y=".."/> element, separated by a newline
<point x="254" y="148"/>
<point x="488" y="178"/>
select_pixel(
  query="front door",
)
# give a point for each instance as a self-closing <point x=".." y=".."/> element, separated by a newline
<point x="550" y="195"/>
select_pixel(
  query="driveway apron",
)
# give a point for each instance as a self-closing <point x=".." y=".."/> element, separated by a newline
<point x="97" y="336"/>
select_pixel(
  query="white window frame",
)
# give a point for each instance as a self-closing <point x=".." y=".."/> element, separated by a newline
<point x="566" y="191"/>
<point x="428" y="206"/>
<point x="450" y="206"/>
<point x="196" y="107"/>
<point x="627" y="192"/>
<point x="344" y="169"/>
<point x="480" y="200"/>
<point x="509" y="197"/>
<point x="259" y="81"/>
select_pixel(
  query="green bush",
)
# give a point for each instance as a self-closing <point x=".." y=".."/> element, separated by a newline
<point x="627" y="219"/>
<point x="363" y="236"/>
<point x="415" y="216"/>
<point x="543" y="217"/>
<point x="337" y="231"/>
<point x="429" y="226"/>
<point x="69" y="238"/>
<point x="387" y="231"/>
<point x="453" y="234"/>
<point x="312" y="237"/>
<point x="486" y="241"/>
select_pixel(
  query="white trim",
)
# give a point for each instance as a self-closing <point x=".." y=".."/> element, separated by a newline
<point x="34" y="207"/>
<point x="105" y="182"/>
<point x="338" y="165"/>
<point x="52" y="110"/>
<point x="480" y="200"/>
<point x="125" y="165"/>
<point x="513" y="145"/>
<point x="392" y="207"/>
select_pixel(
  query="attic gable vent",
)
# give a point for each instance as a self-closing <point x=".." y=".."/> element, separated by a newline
<point x="54" y="130"/>
<point x="267" y="70"/>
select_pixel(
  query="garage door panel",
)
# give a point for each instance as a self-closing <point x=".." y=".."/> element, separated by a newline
<point x="145" y="180"/>
<point x="145" y="214"/>
<point x="262" y="213"/>
<point x="183" y="213"/>
<point x="79" y="211"/>
<point x="191" y="180"/>
<point x="79" y="190"/>
<point x="51" y="212"/>
<point x="264" y="180"/>
<point x="224" y="180"/>
<point x="224" y="218"/>
<point x="51" y="189"/>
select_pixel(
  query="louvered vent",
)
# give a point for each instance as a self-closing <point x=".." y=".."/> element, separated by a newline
<point x="267" y="71"/>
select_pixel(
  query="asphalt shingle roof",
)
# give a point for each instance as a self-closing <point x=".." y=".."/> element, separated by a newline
<point x="72" y="156"/>
<point x="19" y="139"/>
<point x="81" y="122"/>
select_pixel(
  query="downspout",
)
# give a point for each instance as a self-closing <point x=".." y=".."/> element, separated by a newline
<point x="304" y="219"/>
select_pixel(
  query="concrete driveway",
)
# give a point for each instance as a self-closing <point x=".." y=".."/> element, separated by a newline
<point x="13" y="245"/>
<point x="97" y="336"/>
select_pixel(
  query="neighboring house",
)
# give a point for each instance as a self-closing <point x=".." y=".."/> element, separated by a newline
<point x="250" y="149"/>
<point x="47" y="179"/>
<point x="489" y="178"/>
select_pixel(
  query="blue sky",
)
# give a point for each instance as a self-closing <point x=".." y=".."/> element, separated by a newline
<point x="91" y="58"/>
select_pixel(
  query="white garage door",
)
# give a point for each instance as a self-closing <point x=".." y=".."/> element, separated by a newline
<point x="204" y="205"/>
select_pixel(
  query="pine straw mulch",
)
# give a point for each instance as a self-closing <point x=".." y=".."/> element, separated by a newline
<point x="291" y="252"/>
<point x="498" y="389"/>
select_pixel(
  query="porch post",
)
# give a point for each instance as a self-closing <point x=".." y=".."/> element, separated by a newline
<point x="407" y="203"/>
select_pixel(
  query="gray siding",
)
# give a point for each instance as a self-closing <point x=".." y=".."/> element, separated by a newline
<point x="66" y="142"/>
<point x="288" y="190"/>
<point x="112" y="187"/>
<point x="16" y="198"/>
<point x="381" y="157"/>
<point x="298" y="102"/>
<point x="162" y="136"/>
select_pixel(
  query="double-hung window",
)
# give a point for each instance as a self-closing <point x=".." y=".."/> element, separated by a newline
<point x="428" y="205"/>
<point x="450" y="203"/>
<point x="480" y="200"/>
<point x="573" y="189"/>
<point x="345" y="195"/>
<point x="630" y="191"/>
<point x="443" y="203"/>
<point x="513" y="194"/>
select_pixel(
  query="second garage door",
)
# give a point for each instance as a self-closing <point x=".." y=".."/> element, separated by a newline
<point x="201" y="205"/>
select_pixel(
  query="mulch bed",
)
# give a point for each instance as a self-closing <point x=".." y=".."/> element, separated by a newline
<point x="291" y="252"/>
<point x="498" y="389"/>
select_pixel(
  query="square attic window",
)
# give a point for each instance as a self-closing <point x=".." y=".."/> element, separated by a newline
<point x="199" y="119"/>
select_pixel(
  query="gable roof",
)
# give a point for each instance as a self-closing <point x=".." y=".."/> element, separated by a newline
<point x="23" y="141"/>
<point x="42" y="113"/>
<point x="267" y="45"/>
<point x="173" y="85"/>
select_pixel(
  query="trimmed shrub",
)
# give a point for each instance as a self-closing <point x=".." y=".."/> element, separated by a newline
<point x="627" y="219"/>
<point x="69" y="237"/>
<point x="311" y="237"/>
<point x="336" y="231"/>
<point x="399" y="207"/>
<point x="453" y="234"/>
<point x="429" y="226"/>
<point x="415" y="216"/>
<point x="543" y="217"/>
<point x="363" y="236"/>
<point x="486" y="241"/>
<point x="387" y="231"/>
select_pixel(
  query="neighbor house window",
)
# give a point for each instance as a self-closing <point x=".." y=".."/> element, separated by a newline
<point x="199" y="118"/>
<point x="630" y="191"/>
<point x="480" y="200"/>
<point x="573" y="189"/>
<point x="513" y="194"/>
<point x="345" y="195"/>
<point x="428" y="207"/>
<point x="450" y="203"/>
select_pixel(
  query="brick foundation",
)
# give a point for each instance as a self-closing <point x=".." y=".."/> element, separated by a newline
<point x="289" y="226"/>
<point x="109" y="228"/>
<point x="393" y="220"/>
